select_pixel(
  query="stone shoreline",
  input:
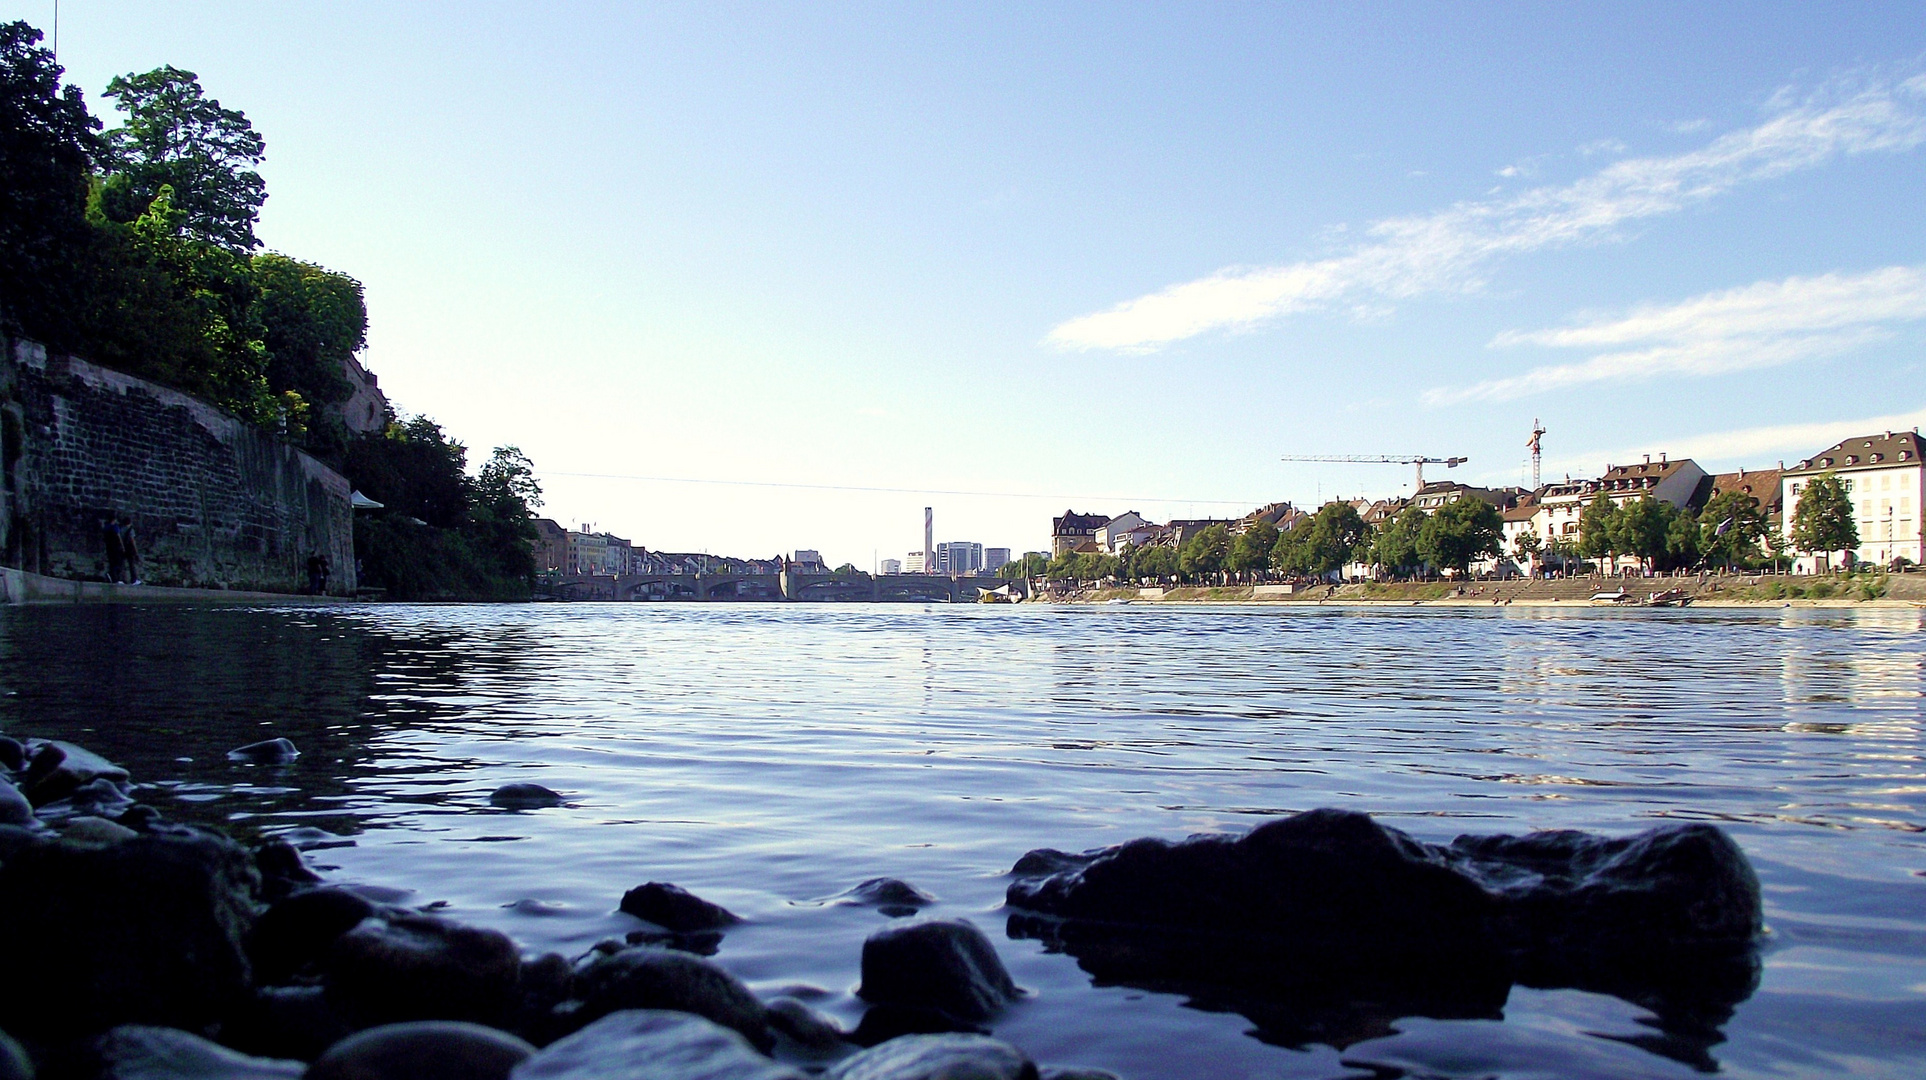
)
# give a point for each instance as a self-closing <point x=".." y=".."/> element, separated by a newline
<point x="148" y="950"/>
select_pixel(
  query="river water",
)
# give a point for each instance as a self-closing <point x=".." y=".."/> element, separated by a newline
<point x="769" y="757"/>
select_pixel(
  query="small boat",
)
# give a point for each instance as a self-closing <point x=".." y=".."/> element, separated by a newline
<point x="1669" y="598"/>
<point x="1614" y="596"/>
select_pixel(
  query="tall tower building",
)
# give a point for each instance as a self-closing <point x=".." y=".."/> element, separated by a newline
<point x="929" y="540"/>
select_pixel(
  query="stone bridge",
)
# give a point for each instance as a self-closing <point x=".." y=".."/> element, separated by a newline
<point x="727" y="588"/>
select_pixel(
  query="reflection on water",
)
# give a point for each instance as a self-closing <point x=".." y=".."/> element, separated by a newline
<point x="767" y="755"/>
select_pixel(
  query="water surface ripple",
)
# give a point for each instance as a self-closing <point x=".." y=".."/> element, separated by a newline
<point x="771" y="756"/>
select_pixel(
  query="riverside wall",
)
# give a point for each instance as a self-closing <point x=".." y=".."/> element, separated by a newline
<point x="215" y="502"/>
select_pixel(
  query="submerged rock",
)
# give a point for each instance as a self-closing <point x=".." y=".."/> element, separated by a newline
<point x="405" y="966"/>
<point x="14" y="1062"/>
<point x="425" y="1050"/>
<point x="524" y="797"/>
<point x="58" y="769"/>
<point x="147" y="930"/>
<point x="265" y="752"/>
<point x="1339" y="924"/>
<point x="675" y="908"/>
<point x="282" y="869"/>
<point x="811" y="1030"/>
<point x="14" y="807"/>
<point x="947" y="965"/>
<point x="889" y="896"/>
<point x="156" y="1053"/>
<point x="651" y="1044"/>
<point x="650" y="978"/>
<point x="13" y="756"/>
<point x="937" y="1057"/>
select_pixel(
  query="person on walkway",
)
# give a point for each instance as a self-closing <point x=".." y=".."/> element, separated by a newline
<point x="116" y="555"/>
<point x="314" y="574"/>
<point x="129" y="551"/>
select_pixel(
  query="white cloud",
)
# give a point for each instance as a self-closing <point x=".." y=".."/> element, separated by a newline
<point x="1446" y="251"/>
<point x="1747" y="446"/>
<point x="1687" y="127"/>
<point x="1603" y="146"/>
<point x="1756" y="326"/>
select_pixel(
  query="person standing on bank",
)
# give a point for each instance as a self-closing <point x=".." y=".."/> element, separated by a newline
<point x="315" y="574"/>
<point x="129" y="551"/>
<point x="116" y="555"/>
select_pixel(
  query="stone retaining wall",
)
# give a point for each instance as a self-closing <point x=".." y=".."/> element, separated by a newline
<point x="215" y="502"/>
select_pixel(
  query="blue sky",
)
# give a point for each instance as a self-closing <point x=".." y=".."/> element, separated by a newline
<point x="1104" y="254"/>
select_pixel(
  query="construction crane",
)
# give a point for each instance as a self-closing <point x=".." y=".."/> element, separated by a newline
<point x="1418" y="460"/>
<point x="1537" y="433"/>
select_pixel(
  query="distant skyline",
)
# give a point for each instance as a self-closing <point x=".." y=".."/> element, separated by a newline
<point x="1009" y="261"/>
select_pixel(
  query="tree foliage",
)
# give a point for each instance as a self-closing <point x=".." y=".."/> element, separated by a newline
<point x="1731" y="527"/>
<point x="1206" y="553"/>
<point x="1395" y="547"/>
<point x="47" y="144"/>
<point x="176" y="136"/>
<point x="1822" y="520"/>
<point x="1597" y="538"/>
<point x="1250" y="550"/>
<point x="1460" y="533"/>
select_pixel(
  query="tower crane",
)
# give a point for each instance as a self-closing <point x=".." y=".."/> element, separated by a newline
<point x="1418" y="460"/>
<point x="1537" y="433"/>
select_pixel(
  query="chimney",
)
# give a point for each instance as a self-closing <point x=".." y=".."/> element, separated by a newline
<point x="1742" y="472"/>
<point x="1661" y="459"/>
<point x="1648" y="459"/>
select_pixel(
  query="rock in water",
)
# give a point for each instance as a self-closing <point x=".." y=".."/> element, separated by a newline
<point x="674" y="908"/>
<point x="889" y="896"/>
<point x="145" y="931"/>
<point x="809" y="1029"/>
<point x="937" y="1057"/>
<point x="427" y="1050"/>
<point x="14" y="1062"/>
<point x="265" y="752"/>
<point x="524" y="797"/>
<point x="1328" y="907"/>
<point x="942" y="964"/>
<point x="13" y="756"/>
<point x="157" y="1053"/>
<point x="649" y="978"/>
<point x="58" y="769"/>
<point x="650" y="1044"/>
<point x="406" y="966"/>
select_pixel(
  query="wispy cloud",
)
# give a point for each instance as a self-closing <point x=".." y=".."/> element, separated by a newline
<point x="1603" y="146"/>
<point x="1755" y="446"/>
<point x="1446" y="251"/>
<point x="1762" y="325"/>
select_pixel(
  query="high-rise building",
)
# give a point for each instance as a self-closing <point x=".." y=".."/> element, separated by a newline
<point x="995" y="559"/>
<point x="959" y="557"/>
<point x="916" y="563"/>
<point x="891" y="566"/>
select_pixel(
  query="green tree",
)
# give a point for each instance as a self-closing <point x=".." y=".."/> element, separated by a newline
<point x="1032" y="564"/>
<point x="1395" y="548"/>
<point x="1598" y="529"/>
<point x="1681" y="539"/>
<point x="175" y="136"/>
<point x="1336" y="533"/>
<point x="1207" y="552"/>
<point x="1460" y="533"/>
<point x="1822" y="520"/>
<point x="1251" y="549"/>
<point x="1157" y="561"/>
<point x="1526" y="546"/>
<point x="1731" y="527"/>
<point x="313" y="320"/>
<point x="1291" y="554"/>
<point x="1639" y="528"/>
<point x="47" y="144"/>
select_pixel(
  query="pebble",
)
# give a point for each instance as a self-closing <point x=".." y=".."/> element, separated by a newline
<point x="937" y="1057"/>
<point x="265" y="752"/>
<point x="652" y="1044"/>
<point x="12" y="754"/>
<point x="651" y="978"/>
<point x="425" y="1050"/>
<point x="675" y="908"/>
<point x="133" y="1052"/>
<point x="96" y="831"/>
<point x="524" y="797"/>
<point x="300" y="930"/>
<point x="420" y="967"/>
<point x="808" y="1028"/>
<point x="889" y="896"/>
<point x="14" y="807"/>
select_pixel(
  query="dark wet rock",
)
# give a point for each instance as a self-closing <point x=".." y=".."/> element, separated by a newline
<point x="95" y="831"/>
<point x="13" y="756"/>
<point x="405" y="966"/>
<point x="524" y="797"/>
<point x="881" y="1023"/>
<point x="299" y="932"/>
<point x="540" y="909"/>
<point x="937" y="1057"/>
<point x="14" y="1062"/>
<point x="944" y="964"/>
<point x="424" y="1050"/>
<point x="58" y="769"/>
<point x="1076" y="1073"/>
<point x="889" y="896"/>
<point x="265" y="752"/>
<point x="648" y="978"/>
<point x="810" y="1029"/>
<point x="309" y="838"/>
<point x="283" y="871"/>
<point x="147" y="931"/>
<point x="674" y="908"/>
<point x="651" y="1044"/>
<point x="285" y="1022"/>
<point x="545" y="983"/>
<point x="14" y="807"/>
<point x="1325" y="926"/>
<point x="158" y="1053"/>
